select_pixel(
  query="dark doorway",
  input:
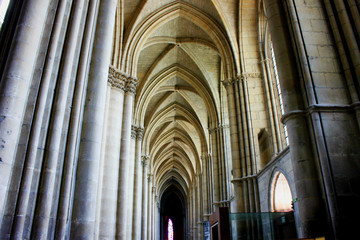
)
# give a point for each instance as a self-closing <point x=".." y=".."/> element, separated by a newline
<point x="172" y="207"/>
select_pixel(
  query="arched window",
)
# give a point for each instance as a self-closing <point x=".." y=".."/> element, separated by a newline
<point x="277" y="81"/>
<point x="280" y="194"/>
<point x="277" y="130"/>
<point x="4" y="4"/>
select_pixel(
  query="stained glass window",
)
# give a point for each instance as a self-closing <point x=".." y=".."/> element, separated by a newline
<point x="170" y="230"/>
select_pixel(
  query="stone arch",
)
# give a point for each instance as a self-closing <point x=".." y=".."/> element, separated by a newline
<point x="166" y="13"/>
<point x="273" y="184"/>
<point x="146" y="91"/>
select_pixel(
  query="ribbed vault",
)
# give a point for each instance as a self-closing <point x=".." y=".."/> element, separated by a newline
<point x="180" y="55"/>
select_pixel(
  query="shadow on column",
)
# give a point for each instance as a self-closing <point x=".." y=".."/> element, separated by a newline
<point x="172" y="206"/>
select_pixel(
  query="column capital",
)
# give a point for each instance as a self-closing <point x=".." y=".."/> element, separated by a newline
<point x="145" y="160"/>
<point x="117" y="79"/>
<point x="218" y="128"/>
<point x="133" y="132"/>
<point x="121" y="80"/>
<point x="206" y="156"/>
<point x="131" y="84"/>
<point x="212" y="130"/>
<point x="266" y="60"/>
<point x="150" y="178"/>
<point x="228" y="82"/>
<point x="140" y="133"/>
<point x="245" y="75"/>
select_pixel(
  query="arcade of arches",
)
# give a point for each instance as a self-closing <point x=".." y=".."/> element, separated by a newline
<point x="118" y="115"/>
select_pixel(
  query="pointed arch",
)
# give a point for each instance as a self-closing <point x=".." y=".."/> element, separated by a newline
<point x="133" y="48"/>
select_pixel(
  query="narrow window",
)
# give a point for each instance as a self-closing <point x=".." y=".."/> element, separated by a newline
<point x="279" y="92"/>
<point x="170" y="230"/>
<point x="4" y="4"/>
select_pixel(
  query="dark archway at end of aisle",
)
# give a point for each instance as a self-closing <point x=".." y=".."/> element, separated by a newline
<point x="173" y="207"/>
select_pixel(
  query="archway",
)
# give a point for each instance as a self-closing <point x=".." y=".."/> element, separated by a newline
<point x="281" y="194"/>
<point x="172" y="207"/>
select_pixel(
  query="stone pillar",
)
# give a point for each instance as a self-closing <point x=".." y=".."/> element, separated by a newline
<point x="15" y="85"/>
<point x="205" y="185"/>
<point x="330" y="101"/>
<point x="136" y="233"/>
<point x="125" y="158"/>
<point x="149" y="207"/>
<point x="308" y="207"/>
<point x="87" y="175"/>
<point x="51" y="163"/>
<point x="65" y="198"/>
<point x="144" y="217"/>
<point x="130" y="190"/>
<point x="157" y="220"/>
<point x="199" y="202"/>
<point x="153" y="212"/>
<point x="238" y="203"/>
<point x="215" y="166"/>
<point x="109" y="193"/>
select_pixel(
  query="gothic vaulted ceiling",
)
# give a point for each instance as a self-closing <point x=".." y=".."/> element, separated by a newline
<point x="180" y="51"/>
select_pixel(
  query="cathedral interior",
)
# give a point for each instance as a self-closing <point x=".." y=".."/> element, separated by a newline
<point x="146" y="119"/>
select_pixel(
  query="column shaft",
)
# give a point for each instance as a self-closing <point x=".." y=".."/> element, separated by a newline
<point x="15" y="85"/>
<point x="144" y="222"/>
<point x="124" y="167"/>
<point x="238" y="203"/>
<point x="149" y="208"/>
<point x="65" y="198"/>
<point x="111" y="165"/>
<point x="136" y="233"/>
<point x="87" y="175"/>
<point x="130" y="190"/>
<point x="52" y="156"/>
<point x="205" y="179"/>
<point x="215" y="167"/>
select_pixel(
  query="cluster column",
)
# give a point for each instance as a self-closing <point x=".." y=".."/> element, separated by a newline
<point x="15" y="85"/>
<point x="237" y="205"/>
<point x="87" y="175"/>
<point x="207" y="183"/>
<point x="125" y="158"/>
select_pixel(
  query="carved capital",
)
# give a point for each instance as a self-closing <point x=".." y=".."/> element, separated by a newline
<point x="133" y="132"/>
<point x="205" y="156"/>
<point x="228" y="82"/>
<point x="212" y="130"/>
<point x="140" y="133"/>
<point x="218" y="128"/>
<point x="150" y="178"/>
<point x="145" y="160"/>
<point x="116" y="78"/>
<point x="246" y="75"/>
<point x="131" y="85"/>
